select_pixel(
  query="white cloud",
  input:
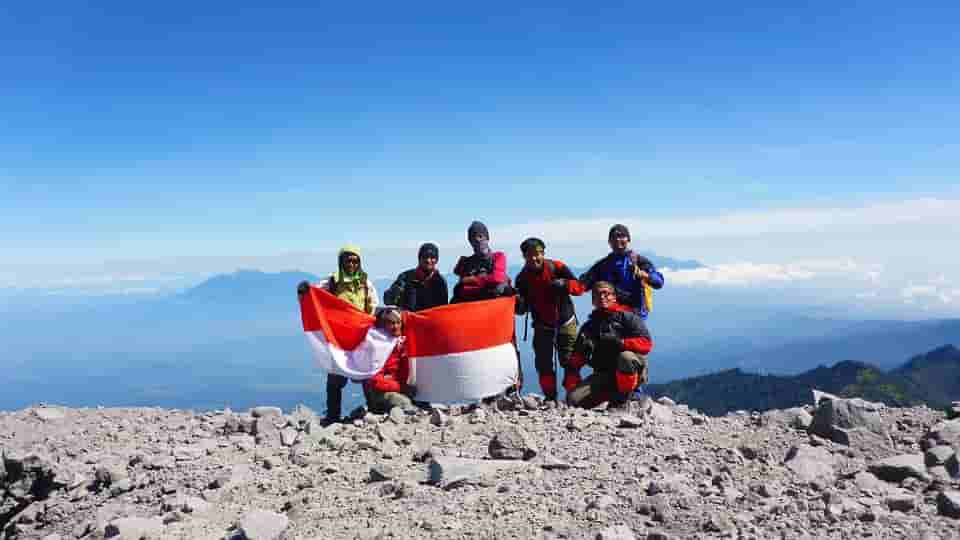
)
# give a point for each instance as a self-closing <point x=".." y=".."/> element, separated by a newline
<point x="936" y="290"/>
<point x="737" y="274"/>
<point x="923" y="211"/>
<point x="752" y="273"/>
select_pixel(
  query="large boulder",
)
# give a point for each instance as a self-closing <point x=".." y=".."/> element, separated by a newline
<point x="943" y="433"/>
<point x="134" y="528"/>
<point x="266" y="431"/>
<point x="834" y="416"/>
<point x="899" y="468"/>
<point x="32" y="476"/>
<point x="811" y="464"/>
<point x="450" y="472"/>
<point x="512" y="442"/>
<point x="954" y="410"/>
<point x="795" y="417"/>
<point x="260" y="525"/>
<point x="948" y="504"/>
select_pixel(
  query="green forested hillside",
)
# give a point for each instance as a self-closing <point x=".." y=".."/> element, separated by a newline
<point x="932" y="378"/>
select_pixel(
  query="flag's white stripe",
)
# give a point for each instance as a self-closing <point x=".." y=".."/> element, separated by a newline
<point x="464" y="376"/>
<point x="360" y="363"/>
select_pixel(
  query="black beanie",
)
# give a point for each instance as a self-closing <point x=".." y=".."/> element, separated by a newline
<point x="618" y="230"/>
<point x="428" y="250"/>
<point x="477" y="227"/>
<point x="531" y="242"/>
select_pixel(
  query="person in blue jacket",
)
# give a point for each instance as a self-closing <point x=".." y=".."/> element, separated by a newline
<point x="633" y="275"/>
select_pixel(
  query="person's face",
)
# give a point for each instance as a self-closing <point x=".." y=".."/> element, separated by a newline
<point x="394" y="327"/>
<point x="619" y="243"/>
<point x="428" y="263"/>
<point x="351" y="263"/>
<point x="604" y="298"/>
<point x="477" y="238"/>
<point x="534" y="258"/>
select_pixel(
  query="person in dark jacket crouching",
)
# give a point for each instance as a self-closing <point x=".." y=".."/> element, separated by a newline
<point x="389" y="387"/>
<point x="614" y="342"/>
<point x="422" y="287"/>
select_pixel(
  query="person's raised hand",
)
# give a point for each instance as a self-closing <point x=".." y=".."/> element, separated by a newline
<point x="303" y="288"/>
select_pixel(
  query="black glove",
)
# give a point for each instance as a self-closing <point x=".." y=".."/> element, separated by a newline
<point x="408" y="390"/>
<point x="520" y="308"/>
<point x="559" y="285"/>
<point x="303" y="288"/>
<point x="588" y="347"/>
<point x="609" y="342"/>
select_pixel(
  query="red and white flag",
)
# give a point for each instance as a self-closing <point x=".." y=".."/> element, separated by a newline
<point x="457" y="352"/>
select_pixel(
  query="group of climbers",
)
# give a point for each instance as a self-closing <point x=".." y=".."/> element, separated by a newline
<point x="614" y="341"/>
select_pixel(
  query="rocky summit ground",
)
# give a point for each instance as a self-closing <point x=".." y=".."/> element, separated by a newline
<point x="512" y="469"/>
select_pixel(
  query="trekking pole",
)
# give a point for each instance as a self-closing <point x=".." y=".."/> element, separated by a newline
<point x="555" y="353"/>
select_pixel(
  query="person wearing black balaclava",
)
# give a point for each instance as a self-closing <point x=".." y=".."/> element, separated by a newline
<point x="483" y="275"/>
<point x="422" y="287"/>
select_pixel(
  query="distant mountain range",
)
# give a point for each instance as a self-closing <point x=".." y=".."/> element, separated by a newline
<point x="235" y="339"/>
<point x="932" y="378"/>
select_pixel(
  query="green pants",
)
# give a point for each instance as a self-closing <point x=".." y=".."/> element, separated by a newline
<point x="543" y="343"/>
<point x="601" y="385"/>
<point x="382" y="402"/>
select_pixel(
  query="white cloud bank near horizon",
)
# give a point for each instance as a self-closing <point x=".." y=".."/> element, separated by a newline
<point x="893" y="255"/>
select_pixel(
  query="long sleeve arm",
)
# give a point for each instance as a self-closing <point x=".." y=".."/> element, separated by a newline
<point x="499" y="274"/>
<point x="372" y="297"/>
<point x="394" y="295"/>
<point x="574" y="287"/>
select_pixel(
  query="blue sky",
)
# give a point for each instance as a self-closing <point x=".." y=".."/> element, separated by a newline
<point x="182" y="132"/>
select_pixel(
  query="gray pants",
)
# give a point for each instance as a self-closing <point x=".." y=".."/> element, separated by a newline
<point x="601" y="385"/>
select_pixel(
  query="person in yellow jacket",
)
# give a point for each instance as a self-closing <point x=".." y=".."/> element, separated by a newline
<point x="352" y="284"/>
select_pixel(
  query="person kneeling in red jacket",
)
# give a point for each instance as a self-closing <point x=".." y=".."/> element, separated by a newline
<point x="388" y="388"/>
<point x="614" y="342"/>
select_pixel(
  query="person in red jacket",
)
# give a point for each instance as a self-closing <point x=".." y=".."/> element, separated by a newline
<point x="388" y="388"/>
<point x="614" y="342"/>
<point x="544" y="287"/>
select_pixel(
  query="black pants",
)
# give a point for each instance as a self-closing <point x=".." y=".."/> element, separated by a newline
<point x="335" y="385"/>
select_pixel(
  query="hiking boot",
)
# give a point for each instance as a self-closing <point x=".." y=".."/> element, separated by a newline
<point x="618" y="405"/>
<point x="330" y="420"/>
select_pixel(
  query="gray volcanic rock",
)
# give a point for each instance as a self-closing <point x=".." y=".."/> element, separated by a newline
<point x="942" y="456"/>
<point x="134" y="528"/>
<point x="264" y="412"/>
<point x="944" y="433"/>
<point x="512" y="442"/>
<point x="261" y="525"/>
<point x="448" y="473"/>
<point x="673" y="474"/>
<point x="899" y="468"/>
<point x="835" y="416"/>
<point x="948" y="504"/>
<point x="618" y="532"/>
<point x="954" y="410"/>
<point x="795" y="417"/>
<point x="811" y="463"/>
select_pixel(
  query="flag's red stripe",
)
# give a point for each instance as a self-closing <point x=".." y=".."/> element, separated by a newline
<point x="458" y="328"/>
<point x="343" y="325"/>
